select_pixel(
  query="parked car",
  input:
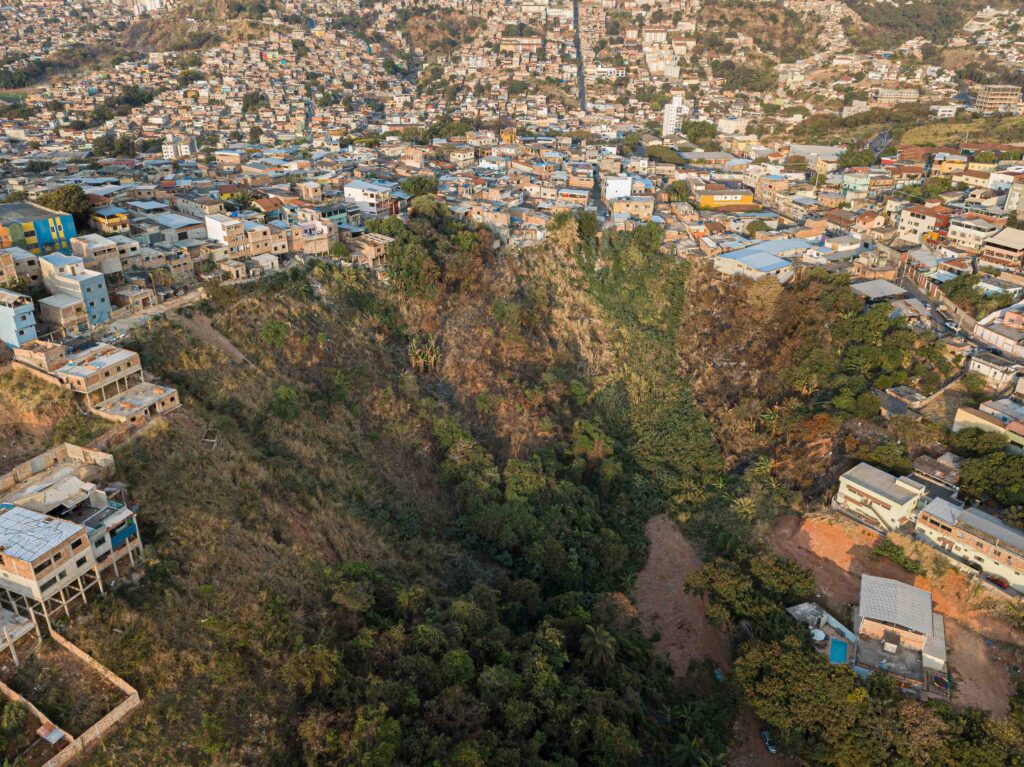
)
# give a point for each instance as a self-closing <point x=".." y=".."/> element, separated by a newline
<point x="974" y="566"/>
<point x="998" y="580"/>
<point x="768" y="742"/>
<point x="952" y="326"/>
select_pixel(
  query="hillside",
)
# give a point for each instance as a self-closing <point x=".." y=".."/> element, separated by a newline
<point x="35" y="416"/>
<point x="991" y="129"/>
<point x="887" y="25"/>
<point x="412" y="540"/>
<point x="390" y="557"/>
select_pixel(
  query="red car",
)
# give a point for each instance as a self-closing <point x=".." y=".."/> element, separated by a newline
<point x="999" y="580"/>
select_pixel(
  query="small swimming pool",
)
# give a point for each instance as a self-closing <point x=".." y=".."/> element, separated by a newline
<point x="838" y="651"/>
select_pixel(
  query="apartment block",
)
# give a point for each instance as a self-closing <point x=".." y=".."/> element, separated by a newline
<point x="67" y="276"/>
<point x="63" y="316"/>
<point x="37" y="229"/>
<point x="975" y="538"/>
<point x="877" y="498"/>
<point x="970" y="232"/>
<point x="919" y="221"/>
<point x="110" y="219"/>
<point x="375" y="200"/>
<point x="17" y="319"/>
<point x="98" y="253"/>
<point x="108" y="380"/>
<point x="1004" y="250"/>
<point x="63" y="530"/>
<point x="998" y="98"/>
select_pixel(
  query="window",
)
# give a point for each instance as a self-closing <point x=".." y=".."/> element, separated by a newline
<point x="75" y="544"/>
<point x="81" y="562"/>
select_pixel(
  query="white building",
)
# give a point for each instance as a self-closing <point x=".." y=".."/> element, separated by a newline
<point x="617" y="187"/>
<point x="673" y="115"/>
<point x="971" y="536"/>
<point x="175" y="148"/>
<point x="877" y="498"/>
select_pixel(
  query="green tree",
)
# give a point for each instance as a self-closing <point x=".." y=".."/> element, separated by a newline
<point x="855" y="158"/>
<point x="678" y="191"/>
<point x="999" y="476"/>
<point x="975" y="442"/>
<point x="69" y="199"/>
<point x="798" y="693"/>
<point x="12" y="717"/>
<point x="286" y="403"/>
<point x="598" y="647"/>
<point x="416" y="186"/>
<point x="275" y="333"/>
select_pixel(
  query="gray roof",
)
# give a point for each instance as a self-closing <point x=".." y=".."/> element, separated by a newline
<point x="28" y="535"/>
<point x="882" y="482"/>
<point x="935" y="644"/>
<point x="878" y="289"/>
<point x="896" y="603"/>
<point x="976" y="519"/>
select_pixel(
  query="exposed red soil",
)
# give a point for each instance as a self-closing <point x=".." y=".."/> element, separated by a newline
<point x="839" y="552"/>
<point x="665" y="608"/>
<point x="684" y="634"/>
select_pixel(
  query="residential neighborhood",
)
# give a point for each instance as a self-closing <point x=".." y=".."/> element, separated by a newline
<point x="576" y="382"/>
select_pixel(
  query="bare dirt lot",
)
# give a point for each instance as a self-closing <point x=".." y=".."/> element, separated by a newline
<point x="839" y="552"/>
<point x="684" y="634"/>
<point x="666" y="609"/>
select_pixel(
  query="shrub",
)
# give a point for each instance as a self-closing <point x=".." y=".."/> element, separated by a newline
<point x="889" y="550"/>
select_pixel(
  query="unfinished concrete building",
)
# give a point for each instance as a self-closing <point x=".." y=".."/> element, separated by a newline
<point x="62" y="531"/>
<point x="109" y="380"/>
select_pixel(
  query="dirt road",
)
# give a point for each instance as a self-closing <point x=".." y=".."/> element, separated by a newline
<point x="201" y="326"/>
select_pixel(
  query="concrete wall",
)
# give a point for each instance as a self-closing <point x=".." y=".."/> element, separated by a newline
<point x="95" y="734"/>
<point x="53" y="456"/>
<point x="76" y="747"/>
<point x="877" y="630"/>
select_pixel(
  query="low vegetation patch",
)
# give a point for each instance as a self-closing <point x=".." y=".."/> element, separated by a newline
<point x="895" y="552"/>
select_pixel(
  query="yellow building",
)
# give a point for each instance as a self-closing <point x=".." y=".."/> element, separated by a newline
<point x="110" y="219"/>
<point x="716" y="197"/>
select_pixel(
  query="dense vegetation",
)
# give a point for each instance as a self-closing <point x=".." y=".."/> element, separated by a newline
<point x="887" y="25"/>
<point x="399" y="574"/>
<point x="786" y="370"/>
<point x="410" y="542"/>
<point x="964" y="292"/>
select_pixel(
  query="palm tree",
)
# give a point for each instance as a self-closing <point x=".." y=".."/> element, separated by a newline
<point x="692" y="752"/>
<point x="770" y="418"/>
<point x="745" y="507"/>
<point x="598" y="647"/>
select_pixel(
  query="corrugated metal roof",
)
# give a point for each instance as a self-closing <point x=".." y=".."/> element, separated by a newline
<point x="896" y="603"/>
<point x="28" y="535"/>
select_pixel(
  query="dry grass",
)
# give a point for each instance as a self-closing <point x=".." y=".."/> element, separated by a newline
<point x="34" y="416"/>
<point x="65" y="689"/>
<point x="998" y="129"/>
